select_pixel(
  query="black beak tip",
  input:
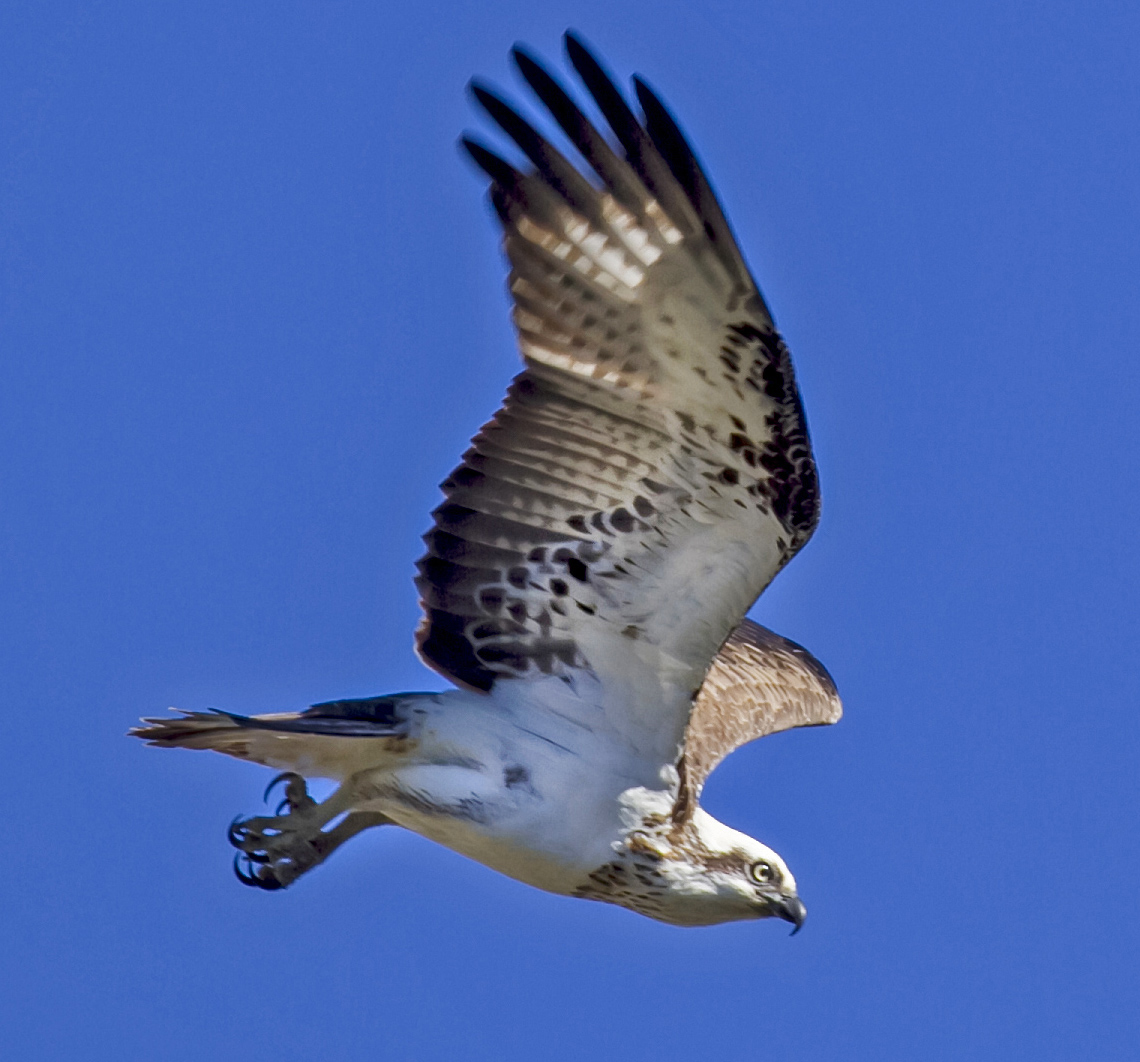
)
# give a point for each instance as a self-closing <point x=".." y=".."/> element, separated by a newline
<point x="795" y="912"/>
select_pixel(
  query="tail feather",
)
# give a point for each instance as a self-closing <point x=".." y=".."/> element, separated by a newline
<point x="312" y="722"/>
<point x="195" y="730"/>
<point x="324" y="741"/>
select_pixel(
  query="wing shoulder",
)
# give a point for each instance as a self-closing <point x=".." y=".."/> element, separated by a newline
<point x="758" y="684"/>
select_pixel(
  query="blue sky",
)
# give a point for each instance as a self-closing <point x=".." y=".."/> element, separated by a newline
<point x="252" y="307"/>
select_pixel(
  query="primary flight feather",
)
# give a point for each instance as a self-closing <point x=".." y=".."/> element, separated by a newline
<point x="587" y="574"/>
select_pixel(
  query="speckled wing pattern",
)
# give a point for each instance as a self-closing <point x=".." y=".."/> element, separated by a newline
<point x="759" y="683"/>
<point x="650" y="470"/>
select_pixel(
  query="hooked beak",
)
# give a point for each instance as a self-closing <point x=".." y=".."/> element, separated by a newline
<point x="791" y="909"/>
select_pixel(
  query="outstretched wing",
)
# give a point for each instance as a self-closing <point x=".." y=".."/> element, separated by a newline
<point x="650" y="470"/>
<point x="759" y="683"/>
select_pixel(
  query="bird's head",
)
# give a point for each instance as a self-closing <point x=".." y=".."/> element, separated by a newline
<point x="706" y="873"/>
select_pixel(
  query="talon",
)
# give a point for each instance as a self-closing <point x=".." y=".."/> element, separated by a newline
<point x="242" y="876"/>
<point x="237" y="833"/>
<point x="273" y="851"/>
<point x="285" y="776"/>
<point x="296" y="792"/>
<point x="255" y="880"/>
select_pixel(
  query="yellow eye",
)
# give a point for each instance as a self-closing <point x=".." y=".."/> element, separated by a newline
<point x="763" y="872"/>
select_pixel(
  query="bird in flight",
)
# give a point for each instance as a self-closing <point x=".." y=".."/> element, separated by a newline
<point x="588" y="571"/>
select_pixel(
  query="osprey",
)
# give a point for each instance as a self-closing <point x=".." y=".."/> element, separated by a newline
<point x="587" y="575"/>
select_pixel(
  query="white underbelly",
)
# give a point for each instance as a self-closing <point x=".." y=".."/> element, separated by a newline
<point x="533" y="794"/>
<point x="555" y="871"/>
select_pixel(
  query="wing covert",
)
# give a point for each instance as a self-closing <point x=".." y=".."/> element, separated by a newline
<point x="759" y="684"/>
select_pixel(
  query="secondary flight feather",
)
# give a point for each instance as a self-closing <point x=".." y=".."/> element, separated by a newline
<point x="587" y="574"/>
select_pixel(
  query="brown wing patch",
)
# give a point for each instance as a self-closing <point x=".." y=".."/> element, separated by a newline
<point x="758" y="684"/>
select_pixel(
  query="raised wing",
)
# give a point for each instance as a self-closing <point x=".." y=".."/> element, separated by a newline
<point x="650" y="470"/>
<point x="759" y="683"/>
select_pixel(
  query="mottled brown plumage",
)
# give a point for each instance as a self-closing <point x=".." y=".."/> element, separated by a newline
<point x="759" y="683"/>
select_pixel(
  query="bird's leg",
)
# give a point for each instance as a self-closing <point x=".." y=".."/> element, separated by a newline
<point x="273" y="851"/>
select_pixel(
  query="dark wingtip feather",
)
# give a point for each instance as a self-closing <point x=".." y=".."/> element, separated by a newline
<point x="499" y="170"/>
<point x="657" y="113"/>
<point x="602" y="87"/>
<point x="679" y="156"/>
<point x="545" y="87"/>
<point x="522" y="56"/>
<point x="574" y="44"/>
<point x="553" y="96"/>
<point x="668" y="139"/>
<point x="477" y="87"/>
<point x="509" y="120"/>
<point x="571" y="37"/>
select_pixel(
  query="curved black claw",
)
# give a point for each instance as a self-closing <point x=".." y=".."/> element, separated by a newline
<point x="261" y="878"/>
<point x="284" y="776"/>
<point x="296" y="792"/>
<point x="242" y="876"/>
<point x="244" y="839"/>
<point x="236" y="833"/>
